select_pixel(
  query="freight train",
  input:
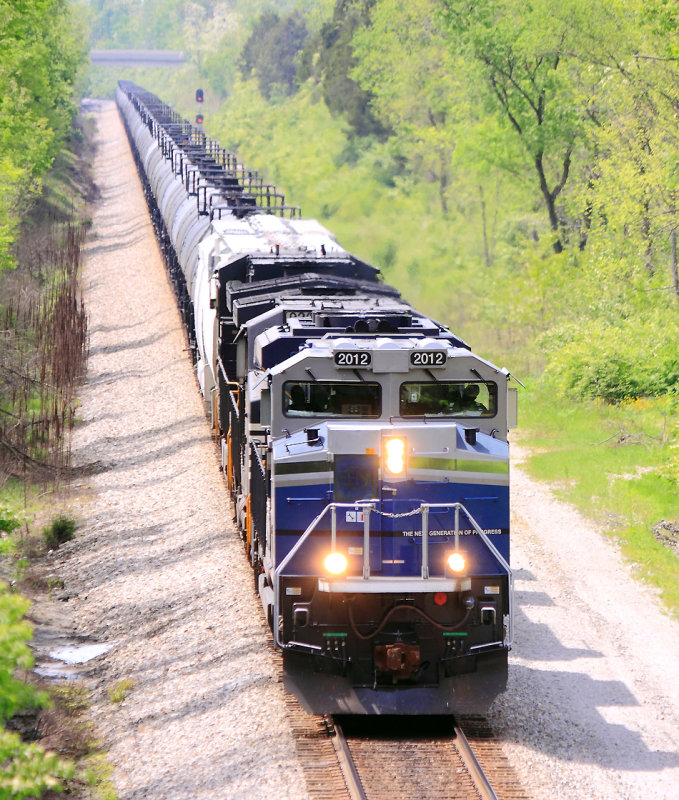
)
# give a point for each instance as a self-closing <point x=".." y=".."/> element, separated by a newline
<point x="364" y="444"/>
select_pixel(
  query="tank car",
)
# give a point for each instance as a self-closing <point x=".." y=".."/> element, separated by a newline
<point x="364" y="444"/>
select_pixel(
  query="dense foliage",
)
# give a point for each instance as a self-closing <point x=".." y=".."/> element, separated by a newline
<point x="25" y="769"/>
<point x="330" y="60"/>
<point x="270" y="52"/>
<point x="42" y="45"/>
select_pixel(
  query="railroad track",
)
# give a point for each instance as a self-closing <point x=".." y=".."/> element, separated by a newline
<point x="409" y="760"/>
<point x="358" y="758"/>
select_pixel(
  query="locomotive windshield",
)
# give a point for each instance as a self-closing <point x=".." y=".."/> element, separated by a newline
<point x="448" y="399"/>
<point x="329" y="399"/>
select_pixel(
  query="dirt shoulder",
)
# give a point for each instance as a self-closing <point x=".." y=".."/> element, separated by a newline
<point x="593" y="704"/>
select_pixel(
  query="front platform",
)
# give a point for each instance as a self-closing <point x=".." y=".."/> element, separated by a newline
<point x="469" y="693"/>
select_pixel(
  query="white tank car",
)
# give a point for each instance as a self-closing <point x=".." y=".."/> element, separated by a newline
<point x="226" y="240"/>
<point x="204" y="233"/>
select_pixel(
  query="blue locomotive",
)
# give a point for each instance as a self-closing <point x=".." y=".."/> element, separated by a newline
<point x="364" y="444"/>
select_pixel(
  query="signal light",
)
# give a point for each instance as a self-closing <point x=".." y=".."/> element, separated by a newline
<point x="335" y="563"/>
<point x="199" y="119"/>
<point x="199" y="96"/>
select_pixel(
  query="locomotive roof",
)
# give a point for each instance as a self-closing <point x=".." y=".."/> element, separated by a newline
<point x="277" y="344"/>
<point x="246" y="308"/>
<point x="243" y="299"/>
<point x="249" y="276"/>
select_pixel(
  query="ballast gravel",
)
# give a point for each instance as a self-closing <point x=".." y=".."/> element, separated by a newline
<point x="157" y="572"/>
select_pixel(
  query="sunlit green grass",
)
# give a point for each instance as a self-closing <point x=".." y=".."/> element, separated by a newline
<point x="607" y="460"/>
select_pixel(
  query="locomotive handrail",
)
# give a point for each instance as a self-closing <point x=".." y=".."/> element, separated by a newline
<point x="225" y="377"/>
<point x="277" y="572"/>
<point x="234" y="398"/>
<point x="367" y="506"/>
<point x="259" y="493"/>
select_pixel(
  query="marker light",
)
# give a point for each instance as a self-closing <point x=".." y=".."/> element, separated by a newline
<point x="396" y="455"/>
<point x="456" y="562"/>
<point x="335" y="563"/>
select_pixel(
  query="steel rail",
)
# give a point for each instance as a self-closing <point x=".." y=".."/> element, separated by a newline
<point x="346" y="762"/>
<point x="486" y="791"/>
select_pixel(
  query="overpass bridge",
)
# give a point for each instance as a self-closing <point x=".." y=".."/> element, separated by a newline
<point x="137" y="58"/>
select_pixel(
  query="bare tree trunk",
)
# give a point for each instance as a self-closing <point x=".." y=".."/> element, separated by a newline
<point x="443" y="183"/>
<point x="673" y="262"/>
<point x="484" y="227"/>
<point x="646" y="235"/>
<point x="550" y="196"/>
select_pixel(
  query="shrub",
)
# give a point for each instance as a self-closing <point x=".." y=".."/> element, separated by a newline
<point x="15" y="654"/>
<point x="614" y="362"/>
<point x="62" y="529"/>
<point x="120" y="691"/>
<point x="9" y="520"/>
<point x="27" y="770"/>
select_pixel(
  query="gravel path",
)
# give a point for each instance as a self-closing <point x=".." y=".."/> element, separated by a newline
<point x="158" y="572"/>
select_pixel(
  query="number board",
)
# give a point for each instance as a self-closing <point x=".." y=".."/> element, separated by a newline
<point x="428" y="358"/>
<point x="353" y="358"/>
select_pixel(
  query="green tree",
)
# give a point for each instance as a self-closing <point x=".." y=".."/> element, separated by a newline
<point x="41" y="48"/>
<point x="115" y="23"/>
<point x="271" y="52"/>
<point x="329" y="58"/>
<point x="25" y="769"/>
<point x="405" y="64"/>
<point x="638" y="149"/>
<point x="534" y="63"/>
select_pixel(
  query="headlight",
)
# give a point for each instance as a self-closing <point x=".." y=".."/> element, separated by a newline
<point x="395" y="461"/>
<point x="335" y="563"/>
<point x="456" y="562"/>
